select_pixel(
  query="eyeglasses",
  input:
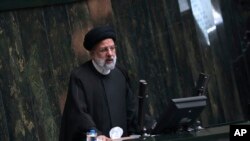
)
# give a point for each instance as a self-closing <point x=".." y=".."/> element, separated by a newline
<point x="106" y="49"/>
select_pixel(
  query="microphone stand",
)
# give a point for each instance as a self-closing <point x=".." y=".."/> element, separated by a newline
<point x="141" y="107"/>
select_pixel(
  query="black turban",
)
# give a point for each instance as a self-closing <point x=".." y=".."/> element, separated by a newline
<point x="97" y="34"/>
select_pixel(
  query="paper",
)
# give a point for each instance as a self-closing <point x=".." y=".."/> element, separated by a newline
<point x="116" y="132"/>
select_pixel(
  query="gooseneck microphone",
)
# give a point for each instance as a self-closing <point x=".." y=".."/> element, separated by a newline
<point x="201" y="86"/>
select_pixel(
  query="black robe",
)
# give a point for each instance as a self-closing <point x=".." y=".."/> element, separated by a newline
<point x="97" y="101"/>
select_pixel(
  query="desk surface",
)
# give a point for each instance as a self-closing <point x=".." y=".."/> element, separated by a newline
<point x="208" y="134"/>
<point x="215" y="133"/>
<point x="220" y="133"/>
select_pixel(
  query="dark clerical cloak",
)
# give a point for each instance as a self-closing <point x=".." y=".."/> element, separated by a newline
<point x="97" y="101"/>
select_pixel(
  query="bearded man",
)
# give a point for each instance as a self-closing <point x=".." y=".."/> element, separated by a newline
<point x="99" y="96"/>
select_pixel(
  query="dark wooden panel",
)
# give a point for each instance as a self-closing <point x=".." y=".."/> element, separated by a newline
<point x="17" y="4"/>
<point x="242" y="80"/>
<point x="4" y="134"/>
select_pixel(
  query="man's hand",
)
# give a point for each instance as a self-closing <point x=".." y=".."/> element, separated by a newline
<point x="103" y="138"/>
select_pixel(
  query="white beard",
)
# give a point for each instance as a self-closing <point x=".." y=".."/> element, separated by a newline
<point x="104" y="66"/>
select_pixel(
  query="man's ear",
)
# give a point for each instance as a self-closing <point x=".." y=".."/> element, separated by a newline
<point x="91" y="53"/>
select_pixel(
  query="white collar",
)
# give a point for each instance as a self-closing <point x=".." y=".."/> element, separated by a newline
<point x="100" y="69"/>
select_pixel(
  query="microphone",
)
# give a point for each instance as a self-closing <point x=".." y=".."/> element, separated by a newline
<point x="202" y="84"/>
<point x="141" y="107"/>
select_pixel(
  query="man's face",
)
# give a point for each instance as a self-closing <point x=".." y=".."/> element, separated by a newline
<point x="104" y="53"/>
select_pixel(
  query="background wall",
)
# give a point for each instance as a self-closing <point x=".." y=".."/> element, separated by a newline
<point x="157" y="42"/>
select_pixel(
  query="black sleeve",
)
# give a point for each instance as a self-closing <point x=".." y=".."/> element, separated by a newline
<point x="132" y="110"/>
<point x="132" y="105"/>
<point x="75" y="120"/>
<point x="125" y="73"/>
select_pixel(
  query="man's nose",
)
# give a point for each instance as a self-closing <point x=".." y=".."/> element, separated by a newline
<point x="109" y="51"/>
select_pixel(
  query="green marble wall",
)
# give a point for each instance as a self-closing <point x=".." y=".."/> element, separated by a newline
<point x="40" y="46"/>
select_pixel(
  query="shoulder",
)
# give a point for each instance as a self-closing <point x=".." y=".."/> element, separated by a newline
<point x="83" y="69"/>
<point x="123" y="71"/>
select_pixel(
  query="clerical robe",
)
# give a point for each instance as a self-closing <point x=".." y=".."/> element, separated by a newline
<point x="97" y="101"/>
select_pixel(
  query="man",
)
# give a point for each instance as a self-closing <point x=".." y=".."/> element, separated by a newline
<point x="99" y="96"/>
